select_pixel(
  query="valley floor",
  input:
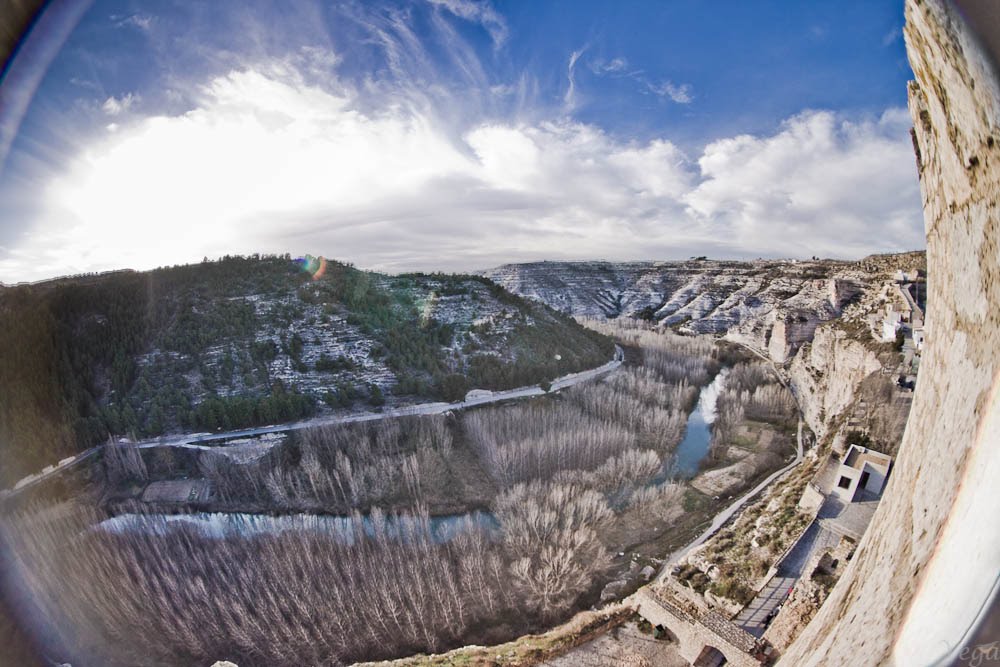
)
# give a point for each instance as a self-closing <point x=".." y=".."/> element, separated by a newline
<point x="596" y="463"/>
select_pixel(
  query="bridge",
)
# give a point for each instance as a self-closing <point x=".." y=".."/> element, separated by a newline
<point x="705" y="639"/>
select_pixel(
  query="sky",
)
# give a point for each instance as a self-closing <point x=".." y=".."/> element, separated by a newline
<point x="455" y="135"/>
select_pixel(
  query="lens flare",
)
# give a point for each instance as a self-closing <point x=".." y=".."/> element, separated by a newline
<point x="315" y="266"/>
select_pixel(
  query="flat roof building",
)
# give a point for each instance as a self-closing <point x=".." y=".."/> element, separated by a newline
<point x="862" y="474"/>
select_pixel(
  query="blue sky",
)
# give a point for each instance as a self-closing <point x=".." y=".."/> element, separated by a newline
<point x="455" y="134"/>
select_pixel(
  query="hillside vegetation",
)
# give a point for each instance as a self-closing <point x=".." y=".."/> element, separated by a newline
<point x="256" y="340"/>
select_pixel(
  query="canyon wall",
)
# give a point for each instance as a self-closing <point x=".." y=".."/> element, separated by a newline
<point x="771" y="305"/>
<point x="928" y="563"/>
<point x="827" y="373"/>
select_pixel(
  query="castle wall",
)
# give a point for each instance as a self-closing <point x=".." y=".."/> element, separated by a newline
<point x="932" y="552"/>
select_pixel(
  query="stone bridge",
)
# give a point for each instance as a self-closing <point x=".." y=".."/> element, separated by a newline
<point x="703" y="639"/>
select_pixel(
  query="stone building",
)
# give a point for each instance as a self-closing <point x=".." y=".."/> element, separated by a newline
<point x="862" y="474"/>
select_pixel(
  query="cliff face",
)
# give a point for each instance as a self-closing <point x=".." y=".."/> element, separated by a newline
<point x="932" y="553"/>
<point x="772" y="305"/>
<point x="815" y="316"/>
<point x="827" y="373"/>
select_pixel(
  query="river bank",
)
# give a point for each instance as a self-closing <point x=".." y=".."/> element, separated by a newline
<point x="220" y="519"/>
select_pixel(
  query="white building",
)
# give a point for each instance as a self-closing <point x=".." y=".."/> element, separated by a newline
<point x="862" y="474"/>
<point x="890" y="325"/>
<point x="918" y="338"/>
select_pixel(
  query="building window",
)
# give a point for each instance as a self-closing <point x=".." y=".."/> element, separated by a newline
<point x="844" y="483"/>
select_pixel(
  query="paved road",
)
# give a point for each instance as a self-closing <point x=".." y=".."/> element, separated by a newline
<point x="195" y="440"/>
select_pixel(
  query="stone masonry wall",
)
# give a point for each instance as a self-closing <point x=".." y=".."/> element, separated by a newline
<point x="897" y="601"/>
<point x="691" y="635"/>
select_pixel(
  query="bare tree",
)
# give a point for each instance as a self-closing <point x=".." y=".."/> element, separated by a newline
<point x="123" y="462"/>
<point x="550" y="533"/>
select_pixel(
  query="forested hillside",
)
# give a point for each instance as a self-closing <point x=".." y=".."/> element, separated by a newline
<point x="256" y="340"/>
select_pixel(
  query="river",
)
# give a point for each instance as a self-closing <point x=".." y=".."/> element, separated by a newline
<point x="698" y="433"/>
<point x="683" y="465"/>
<point x="221" y="524"/>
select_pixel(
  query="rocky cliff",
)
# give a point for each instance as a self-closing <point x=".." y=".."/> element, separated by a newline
<point x="827" y="373"/>
<point x="925" y="569"/>
<point x="821" y="319"/>
<point x="772" y="305"/>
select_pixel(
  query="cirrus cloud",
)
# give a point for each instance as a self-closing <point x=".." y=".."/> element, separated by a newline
<point x="478" y="12"/>
<point x="269" y="160"/>
<point x="114" y="106"/>
<point x="680" y="94"/>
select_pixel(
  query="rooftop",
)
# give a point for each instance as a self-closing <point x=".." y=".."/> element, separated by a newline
<point x="858" y="456"/>
<point x="853" y="519"/>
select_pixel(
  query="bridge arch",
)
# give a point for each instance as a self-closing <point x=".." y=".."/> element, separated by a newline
<point x="710" y="656"/>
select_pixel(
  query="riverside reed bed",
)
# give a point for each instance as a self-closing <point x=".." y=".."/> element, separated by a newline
<point x="561" y="469"/>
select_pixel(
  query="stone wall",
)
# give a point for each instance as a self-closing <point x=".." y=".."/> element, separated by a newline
<point x="932" y="551"/>
<point x="694" y="634"/>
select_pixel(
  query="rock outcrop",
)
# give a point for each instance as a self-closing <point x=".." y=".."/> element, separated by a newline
<point x="771" y="305"/>
<point x="929" y="560"/>
<point x="827" y="373"/>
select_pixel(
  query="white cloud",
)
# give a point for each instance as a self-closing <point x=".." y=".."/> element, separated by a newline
<point x="139" y="21"/>
<point x="569" y="99"/>
<point x="478" y="12"/>
<point x="821" y="185"/>
<point x="503" y="89"/>
<point x="85" y="84"/>
<point x="617" y="67"/>
<point x="680" y="94"/>
<point x="600" y="66"/>
<point x="114" y="106"/>
<point x="267" y="162"/>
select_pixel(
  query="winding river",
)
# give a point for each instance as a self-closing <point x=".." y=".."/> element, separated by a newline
<point x="683" y="465"/>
